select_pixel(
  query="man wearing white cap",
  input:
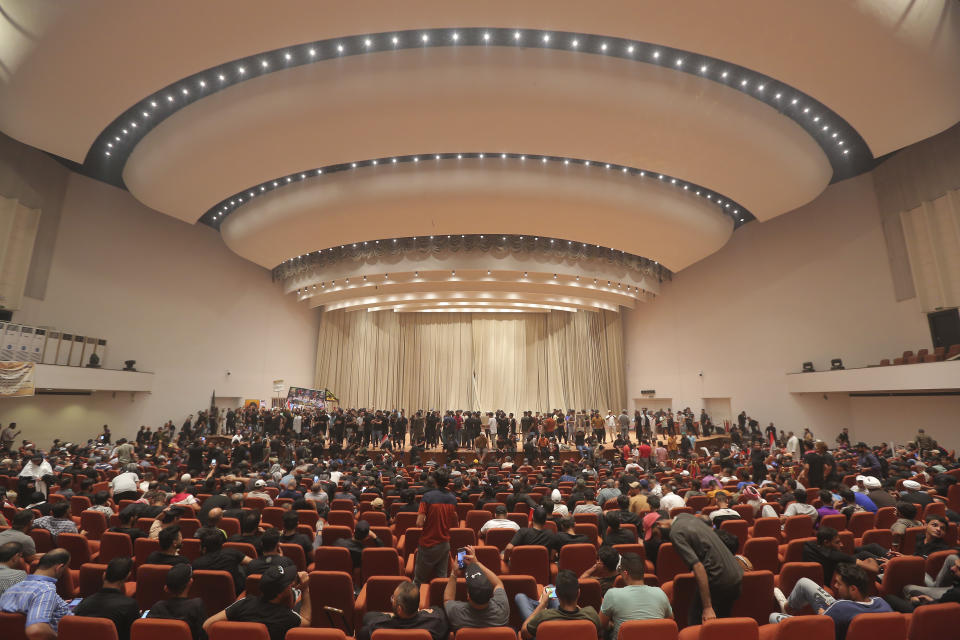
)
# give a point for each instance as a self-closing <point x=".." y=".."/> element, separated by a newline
<point x="913" y="492"/>
<point x="258" y="492"/>
<point x="876" y="493"/>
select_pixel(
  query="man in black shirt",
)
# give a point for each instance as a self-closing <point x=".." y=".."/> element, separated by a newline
<point x="127" y="517"/>
<point x="249" y="530"/>
<point x="271" y="555"/>
<point x="826" y="552"/>
<point x="216" y="558"/>
<point x="614" y="534"/>
<point x="290" y="534"/>
<point x="567" y="533"/>
<point x="274" y="606"/>
<point x="936" y="528"/>
<point x="111" y="601"/>
<point x="355" y="545"/>
<point x="406" y="614"/>
<point x="170" y="540"/>
<point x="178" y="606"/>
<point x="536" y="534"/>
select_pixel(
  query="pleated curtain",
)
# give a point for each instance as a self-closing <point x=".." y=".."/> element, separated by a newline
<point x="475" y="361"/>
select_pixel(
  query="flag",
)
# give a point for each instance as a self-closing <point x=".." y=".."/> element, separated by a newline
<point x="329" y="396"/>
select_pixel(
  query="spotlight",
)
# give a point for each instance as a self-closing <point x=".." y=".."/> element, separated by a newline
<point x="808" y="367"/>
<point x="836" y="364"/>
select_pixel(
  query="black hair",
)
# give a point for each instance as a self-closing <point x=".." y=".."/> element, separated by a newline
<point x="440" y="478"/>
<point x="361" y="530"/>
<point x="270" y="539"/>
<point x="60" y="509"/>
<point x="540" y="515"/>
<point x="609" y="557"/>
<point x="23" y="519"/>
<point x="212" y="541"/>
<point x="249" y="521"/>
<point x="907" y="509"/>
<point x="54" y="557"/>
<point x="800" y="496"/>
<point x="729" y="540"/>
<point x="118" y="569"/>
<point x="290" y="519"/>
<point x="623" y="502"/>
<point x="633" y="564"/>
<point x="852" y="576"/>
<point x="568" y="586"/>
<point x="101" y="497"/>
<point x="826" y="497"/>
<point x="167" y="535"/>
<point x="9" y="549"/>
<point x="825" y="535"/>
<point x="612" y="518"/>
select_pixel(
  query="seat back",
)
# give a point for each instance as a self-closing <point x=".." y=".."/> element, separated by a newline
<point x="42" y="539"/>
<point x="901" y="571"/>
<point x="142" y="548"/>
<point x="795" y="549"/>
<point x="746" y="512"/>
<point x="882" y="537"/>
<point x="836" y="521"/>
<point x="514" y="584"/>
<point x="462" y="537"/>
<point x="793" y="571"/>
<point x="669" y="563"/>
<point x="84" y="628"/>
<point x="78" y="547"/>
<point x="763" y="553"/>
<point x="490" y="558"/>
<point x="797" y="527"/>
<point x="94" y="523"/>
<point x="531" y="560"/>
<point x="12" y="626"/>
<point x="578" y="557"/>
<point x="498" y="538"/>
<point x="245" y="548"/>
<point x="160" y="629"/>
<point x="331" y="592"/>
<point x="739" y="528"/>
<point x="766" y="528"/>
<point x="380" y="561"/>
<point x="295" y="553"/>
<point x="727" y="628"/>
<point x="230" y="526"/>
<point x="91" y="579"/>
<point x="885" y="517"/>
<point x="333" y="559"/>
<point x="215" y="588"/>
<point x="476" y="519"/>
<point x="909" y="542"/>
<point x="401" y="634"/>
<point x="566" y="630"/>
<point x="489" y="633"/>
<point x="860" y="522"/>
<point x="403" y="521"/>
<point x="648" y="630"/>
<point x="150" y="581"/>
<point x="332" y="533"/>
<point x="188" y="527"/>
<point x="878" y="626"/>
<point x="375" y="518"/>
<point x="934" y="621"/>
<point x="341" y="519"/>
<point x="114" y="545"/>
<point x="805" y="628"/>
<point x="431" y="595"/>
<point x="226" y="630"/>
<point x="379" y="589"/>
<point x="272" y="516"/>
<point x="587" y="529"/>
<point x="756" y="597"/>
<point x="638" y="549"/>
<point x="590" y="593"/>
<point x="79" y="504"/>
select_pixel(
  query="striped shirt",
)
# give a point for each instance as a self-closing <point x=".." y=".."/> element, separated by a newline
<point x="56" y="526"/>
<point x="36" y="597"/>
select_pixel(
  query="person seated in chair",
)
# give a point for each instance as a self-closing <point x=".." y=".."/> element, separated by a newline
<point x="614" y="535"/>
<point x="850" y="584"/>
<point x="499" y="521"/>
<point x="36" y="597"/>
<point x="216" y="558"/>
<point x="127" y="517"/>
<point x="59" y="521"/>
<point x="250" y="531"/>
<point x="606" y="569"/>
<point x="275" y="605"/>
<point x="291" y="535"/>
<point x="170" y="539"/>
<point x="487" y="604"/>
<point x="111" y="601"/>
<point x="562" y="607"/>
<point x="633" y="601"/>
<point x="362" y="537"/>
<point x="405" y="614"/>
<point x="179" y="606"/>
<point x="932" y="540"/>
<point x="271" y="555"/>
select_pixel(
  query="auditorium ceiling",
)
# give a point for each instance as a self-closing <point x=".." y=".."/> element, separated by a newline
<point x="535" y="150"/>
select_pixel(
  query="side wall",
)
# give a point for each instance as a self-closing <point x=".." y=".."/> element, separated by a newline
<point x="172" y="297"/>
<point x="810" y="285"/>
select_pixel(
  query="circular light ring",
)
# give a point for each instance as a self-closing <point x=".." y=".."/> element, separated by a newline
<point x="302" y="265"/>
<point x="216" y="214"/>
<point x="846" y="150"/>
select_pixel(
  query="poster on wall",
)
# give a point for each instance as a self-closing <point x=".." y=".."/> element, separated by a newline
<point x="76" y="351"/>
<point x="63" y="349"/>
<point x="11" y="342"/>
<point x="17" y="379"/>
<point x="298" y="397"/>
<point x="51" y="346"/>
<point x="36" y="347"/>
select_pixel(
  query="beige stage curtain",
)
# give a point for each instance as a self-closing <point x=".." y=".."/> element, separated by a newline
<point x="481" y="362"/>
<point x="932" y="233"/>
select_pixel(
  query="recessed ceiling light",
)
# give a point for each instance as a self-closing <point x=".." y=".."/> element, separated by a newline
<point x="425" y="37"/>
<point x="516" y="35"/>
<point x="287" y="56"/>
<point x="575" y="43"/>
<point x="486" y="37"/>
<point x="656" y="54"/>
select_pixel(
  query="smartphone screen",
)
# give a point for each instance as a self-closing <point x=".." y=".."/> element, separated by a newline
<point x="551" y="592"/>
<point x="461" y="554"/>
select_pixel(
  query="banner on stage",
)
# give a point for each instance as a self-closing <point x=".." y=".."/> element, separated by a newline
<point x="298" y="397"/>
<point x="17" y="379"/>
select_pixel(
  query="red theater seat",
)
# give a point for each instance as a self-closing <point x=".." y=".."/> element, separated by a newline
<point x="160" y="629"/>
<point x="226" y="630"/>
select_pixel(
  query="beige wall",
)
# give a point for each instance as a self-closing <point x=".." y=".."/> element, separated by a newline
<point x="172" y="297"/>
<point x="813" y="285"/>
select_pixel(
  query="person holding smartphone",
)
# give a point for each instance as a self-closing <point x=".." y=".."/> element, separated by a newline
<point x="487" y="604"/>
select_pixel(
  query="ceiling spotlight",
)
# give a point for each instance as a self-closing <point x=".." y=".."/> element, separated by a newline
<point x="369" y="43"/>
<point x="603" y="47"/>
<point x="486" y="37"/>
<point x="743" y="83"/>
<point x="203" y="83"/>
<point x="169" y="98"/>
<point x="274" y="183"/>
<point x="703" y="68"/>
<point x="459" y="156"/>
<point x="264" y="64"/>
<point x="313" y="52"/>
<point x="353" y="164"/>
<point x="778" y="96"/>
<point x="416" y="158"/>
<point x="524" y="274"/>
<point x="107" y="152"/>
<point x="575" y="44"/>
<point x="481" y="155"/>
<point x="673" y="181"/>
<point x="340" y="48"/>
<point x="374" y="162"/>
<point x="416" y="274"/>
<point x="262" y="188"/>
<point x="587" y="163"/>
<point x="453" y="272"/>
<point x="546" y="37"/>
<point x="656" y="54"/>
<point x="184" y="92"/>
<point x="794" y="101"/>
<point x="724" y="74"/>
<point x="396" y="40"/>
<point x="154" y="104"/>
<point x="289" y="178"/>
<point x="523" y="157"/>
<point x="437" y="157"/>
<point x="503" y="155"/>
<point x="679" y="62"/>
<point x="543" y="160"/>
<point x="394" y="161"/>
<point x="607" y="166"/>
<point x="846" y="151"/>
<point x="566" y="162"/>
<point x="110" y="144"/>
<point x="630" y="49"/>
<point x="516" y="35"/>
<point x="624" y="169"/>
<point x="425" y="37"/>
<point x="455" y="36"/>
<point x="816" y="119"/>
<point x="760" y="88"/>
<point x="241" y="70"/>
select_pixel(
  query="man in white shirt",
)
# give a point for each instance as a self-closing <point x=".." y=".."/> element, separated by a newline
<point x="298" y="423"/>
<point x="611" y="424"/>
<point x="793" y="446"/>
<point x="499" y="521"/>
<point x="259" y="492"/>
<point x="124" y="485"/>
<point x="670" y="500"/>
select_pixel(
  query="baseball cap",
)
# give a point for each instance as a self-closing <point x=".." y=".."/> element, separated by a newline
<point x="648" y="521"/>
<point x="259" y="483"/>
<point x="376" y="503"/>
<point x="478" y="587"/>
<point x="275" y="579"/>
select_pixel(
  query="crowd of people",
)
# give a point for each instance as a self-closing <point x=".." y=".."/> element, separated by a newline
<point x="230" y="465"/>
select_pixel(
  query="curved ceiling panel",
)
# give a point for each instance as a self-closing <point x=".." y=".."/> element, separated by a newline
<point x="549" y="102"/>
<point x="100" y="58"/>
<point x="585" y="204"/>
